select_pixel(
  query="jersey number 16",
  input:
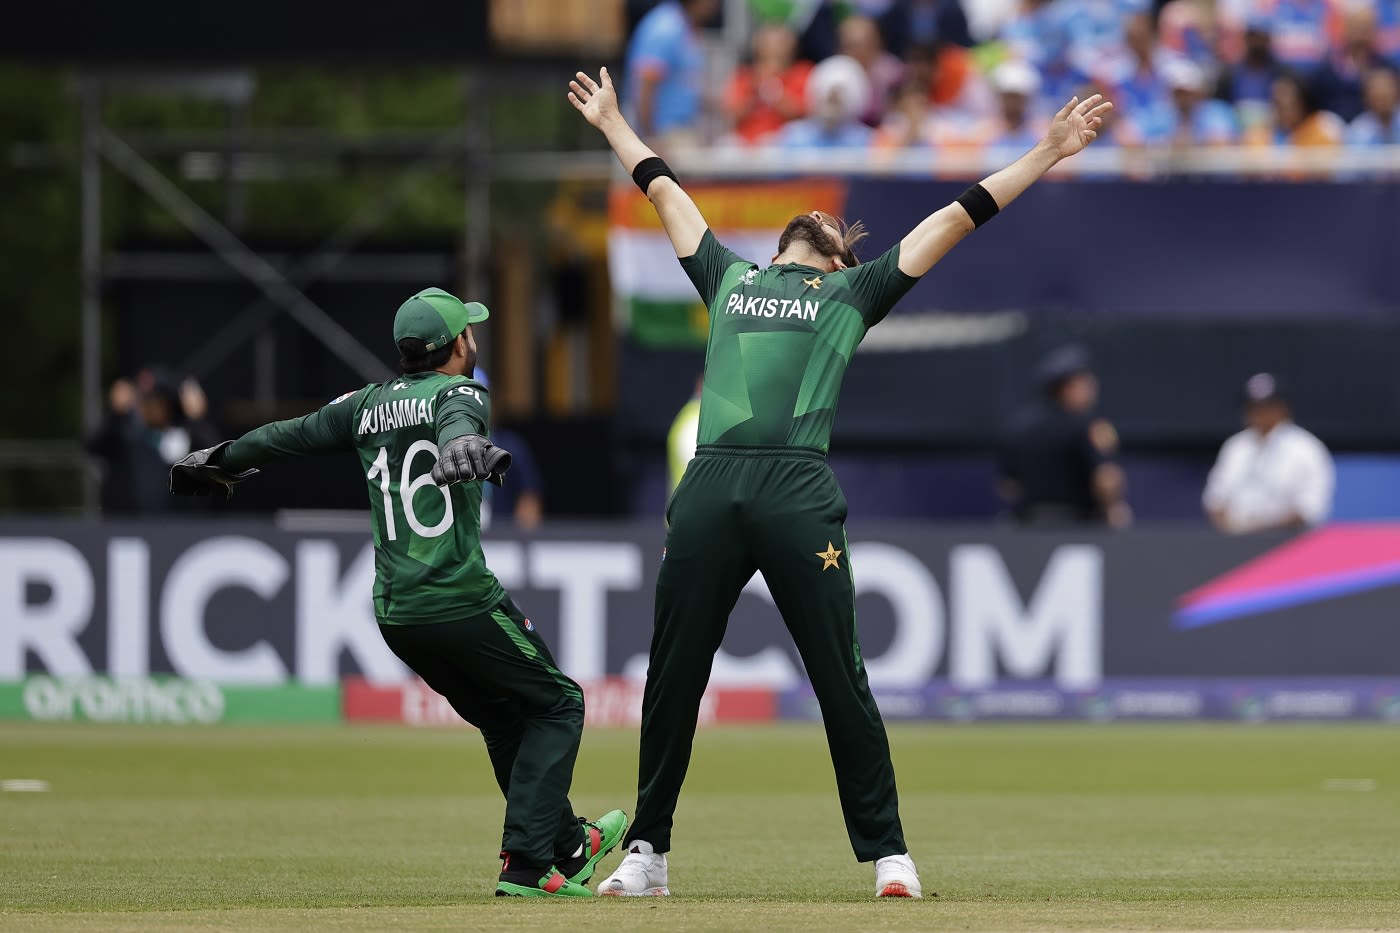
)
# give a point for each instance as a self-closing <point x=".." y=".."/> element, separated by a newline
<point x="408" y="487"/>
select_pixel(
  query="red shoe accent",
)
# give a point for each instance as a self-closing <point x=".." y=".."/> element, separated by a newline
<point x="505" y="862"/>
<point x="555" y="882"/>
<point x="595" y="841"/>
<point x="895" y="889"/>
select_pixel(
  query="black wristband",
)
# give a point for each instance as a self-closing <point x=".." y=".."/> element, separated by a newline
<point x="650" y="169"/>
<point x="979" y="204"/>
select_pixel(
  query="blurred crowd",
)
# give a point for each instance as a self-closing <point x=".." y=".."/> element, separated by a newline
<point x="940" y="74"/>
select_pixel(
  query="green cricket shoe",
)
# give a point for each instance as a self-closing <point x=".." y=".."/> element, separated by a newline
<point x="517" y="883"/>
<point x="601" y="836"/>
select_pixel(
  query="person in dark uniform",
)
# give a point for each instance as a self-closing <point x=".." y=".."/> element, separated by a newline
<point x="1057" y="465"/>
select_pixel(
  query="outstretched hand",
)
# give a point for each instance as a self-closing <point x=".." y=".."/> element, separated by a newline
<point x="596" y="100"/>
<point x="1077" y="124"/>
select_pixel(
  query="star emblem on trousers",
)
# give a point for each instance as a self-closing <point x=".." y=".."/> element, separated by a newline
<point x="830" y="557"/>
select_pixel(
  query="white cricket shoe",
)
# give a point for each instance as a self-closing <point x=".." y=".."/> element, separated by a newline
<point x="895" y="876"/>
<point x="642" y="873"/>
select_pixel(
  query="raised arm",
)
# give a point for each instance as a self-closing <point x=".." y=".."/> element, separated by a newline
<point x="597" y="101"/>
<point x="1074" y="127"/>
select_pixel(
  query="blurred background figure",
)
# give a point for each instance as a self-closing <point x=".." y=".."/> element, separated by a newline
<point x="836" y="93"/>
<point x="1039" y="35"/>
<point x="151" y="422"/>
<point x="1301" y="31"/>
<point x="1272" y="475"/>
<point x="1249" y="82"/>
<point x="1296" y="119"/>
<point x="520" y="499"/>
<point x="1197" y="120"/>
<point x="1388" y="30"/>
<point x="1058" y="463"/>
<point x="1340" y="79"/>
<point x="1379" y="123"/>
<point x="1017" y="124"/>
<point x="1139" y="82"/>
<point x="909" y="122"/>
<point x="859" y="38"/>
<point x="770" y="90"/>
<point x="956" y="86"/>
<point x="681" y="440"/>
<point x="664" y="79"/>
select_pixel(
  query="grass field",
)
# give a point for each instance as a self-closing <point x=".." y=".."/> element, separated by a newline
<point x="1015" y="827"/>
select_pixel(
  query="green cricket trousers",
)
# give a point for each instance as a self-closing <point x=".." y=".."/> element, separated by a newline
<point x="497" y="673"/>
<point x="779" y="511"/>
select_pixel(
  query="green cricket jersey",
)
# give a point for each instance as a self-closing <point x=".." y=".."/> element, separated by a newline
<point x="780" y="340"/>
<point x="427" y="539"/>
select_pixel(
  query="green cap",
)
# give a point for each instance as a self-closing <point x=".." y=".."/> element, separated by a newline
<point x="436" y="318"/>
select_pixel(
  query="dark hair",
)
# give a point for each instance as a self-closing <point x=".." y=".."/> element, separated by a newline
<point x="1308" y="96"/>
<point x="807" y="229"/>
<point x="415" y="358"/>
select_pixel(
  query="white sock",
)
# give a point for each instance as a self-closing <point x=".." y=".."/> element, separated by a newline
<point x="641" y="847"/>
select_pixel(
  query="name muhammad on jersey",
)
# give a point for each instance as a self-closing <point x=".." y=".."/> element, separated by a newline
<point x="400" y="413"/>
<point x="404" y="412"/>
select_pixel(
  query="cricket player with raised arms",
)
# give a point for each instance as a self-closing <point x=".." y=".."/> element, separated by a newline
<point x="759" y="495"/>
<point x="422" y="440"/>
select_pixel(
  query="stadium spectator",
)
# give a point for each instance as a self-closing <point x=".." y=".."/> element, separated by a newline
<point x="666" y="71"/>
<point x="859" y="38"/>
<point x="956" y="88"/>
<point x="1017" y="125"/>
<point x="1338" y="82"/>
<point x="1379" y="124"/>
<point x="1272" y="475"/>
<point x="1388" y="30"/>
<point x="836" y="93"/>
<point x="1038" y="35"/>
<point x="1302" y="31"/>
<point x="1191" y="29"/>
<point x="909" y="122"/>
<point x="520" y="497"/>
<point x="1295" y="117"/>
<point x="1097" y="32"/>
<point x="150" y="424"/>
<point x="1248" y="83"/>
<point x="1057" y="464"/>
<point x="1146" y="117"/>
<point x="922" y="22"/>
<point x="1196" y="119"/>
<point x="770" y="91"/>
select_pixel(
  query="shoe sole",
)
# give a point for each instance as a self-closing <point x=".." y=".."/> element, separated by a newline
<point x="507" y="889"/>
<point x="897" y="889"/>
<point x="649" y="892"/>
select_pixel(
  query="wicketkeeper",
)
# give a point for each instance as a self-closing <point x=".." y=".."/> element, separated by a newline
<point x="424" y="452"/>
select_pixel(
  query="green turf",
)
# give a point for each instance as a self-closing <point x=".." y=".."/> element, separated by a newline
<point x="1015" y="827"/>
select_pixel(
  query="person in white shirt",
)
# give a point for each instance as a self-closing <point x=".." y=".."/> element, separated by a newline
<point x="1272" y="475"/>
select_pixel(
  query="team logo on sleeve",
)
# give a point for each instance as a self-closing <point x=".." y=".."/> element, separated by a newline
<point x="750" y="277"/>
<point x="340" y="398"/>
<point x="529" y="626"/>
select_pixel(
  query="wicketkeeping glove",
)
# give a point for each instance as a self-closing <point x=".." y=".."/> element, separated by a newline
<point x="469" y="458"/>
<point x="197" y="476"/>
